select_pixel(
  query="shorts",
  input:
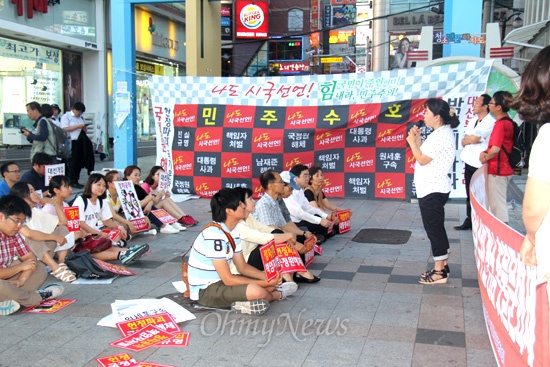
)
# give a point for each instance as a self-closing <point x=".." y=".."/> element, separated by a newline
<point x="219" y="295"/>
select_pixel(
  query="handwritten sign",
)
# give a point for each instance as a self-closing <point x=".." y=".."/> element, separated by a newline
<point x="118" y="360"/>
<point x="164" y="321"/>
<point x="53" y="170"/>
<point x="270" y="260"/>
<point x="129" y="200"/>
<point x="73" y="217"/>
<point x="164" y="181"/>
<point x="163" y="216"/>
<point x="50" y="306"/>
<point x="142" y="339"/>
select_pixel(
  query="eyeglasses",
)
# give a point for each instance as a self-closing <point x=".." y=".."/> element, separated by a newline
<point x="17" y="222"/>
<point x="14" y="171"/>
<point x="492" y="103"/>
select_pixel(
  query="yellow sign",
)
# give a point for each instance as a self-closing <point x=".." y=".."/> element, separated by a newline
<point x="145" y="67"/>
<point x="330" y="60"/>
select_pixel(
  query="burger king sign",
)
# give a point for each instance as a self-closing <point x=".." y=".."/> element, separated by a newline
<point x="251" y="19"/>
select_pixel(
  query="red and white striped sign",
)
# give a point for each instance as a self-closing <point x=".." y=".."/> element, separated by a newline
<point x="417" y="55"/>
<point x="501" y="52"/>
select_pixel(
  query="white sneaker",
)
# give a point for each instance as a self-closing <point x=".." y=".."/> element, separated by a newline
<point x="168" y="229"/>
<point x="8" y="307"/>
<point x="178" y="226"/>
<point x="151" y="232"/>
<point x="287" y="289"/>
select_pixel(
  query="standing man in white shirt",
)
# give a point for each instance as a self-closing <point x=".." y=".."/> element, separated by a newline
<point x="474" y="142"/>
<point x="74" y="123"/>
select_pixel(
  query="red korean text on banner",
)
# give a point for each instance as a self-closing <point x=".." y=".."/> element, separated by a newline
<point x="289" y="259"/>
<point x="73" y="218"/>
<point x="50" y="306"/>
<point x="117" y="269"/>
<point x="163" y="321"/>
<point x="118" y="360"/>
<point x="179" y="340"/>
<point x="318" y="249"/>
<point x="112" y="233"/>
<point x="344" y="217"/>
<point x="140" y="224"/>
<point x="270" y="260"/>
<point x="142" y="339"/>
<point x="163" y="216"/>
<point x="310" y="249"/>
<point x="149" y="364"/>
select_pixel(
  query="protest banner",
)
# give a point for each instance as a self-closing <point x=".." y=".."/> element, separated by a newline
<point x="163" y="321"/>
<point x="142" y="339"/>
<point x="515" y="301"/>
<point x="50" y="306"/>
<point x="163" y="216"/>
<point x="118" y="360"/>
<point x="225" y="132"/>
<point x="52" y="170"/>
<point x="73" y="217"/>
<point x="270" y="260"/>
<point x="130" y="204"/>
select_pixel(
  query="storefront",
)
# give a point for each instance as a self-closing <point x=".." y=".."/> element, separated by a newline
<point x="160" y="50"/>
<point x="45" y="52"/>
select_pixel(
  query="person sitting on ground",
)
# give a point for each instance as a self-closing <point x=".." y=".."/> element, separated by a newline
<point x="35" y="176"/>
<point x="272" y="211"/>
<point x="148" y="202"/>
<point x="12" y="174"/>
<point x="316" y="197"/>
<point x="116" y="206"/>
<point x="255" y="234"/>
<point x="95" y="215"/>
<point x="20" y="274"/>
<point x="210" y="279"/>
<point x="301" y="211"/>
<point x="150" y="185"/>
<point x="44" y="231"/>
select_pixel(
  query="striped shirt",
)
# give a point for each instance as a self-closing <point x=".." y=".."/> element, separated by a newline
<point x="211" y="244"/>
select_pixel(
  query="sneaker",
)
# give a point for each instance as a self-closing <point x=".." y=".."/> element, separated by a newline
<point x="133" y="253"/>
<point x="53" y="290"/>
<point x="256" y="307"/>
<point x="188" y="221"/>
<point x="178" y="226"/>
<point x="8" y="307"/>
<point x="168" y="229"/>
<point x="287" y="289"/>
<point x="128" y="237"/>
<point x="151" y="232"/>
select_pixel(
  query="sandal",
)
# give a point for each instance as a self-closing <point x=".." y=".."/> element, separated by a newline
<point x="447" y="269"/>
<point x="64" y="274"/>
<point x="429" y="278"/>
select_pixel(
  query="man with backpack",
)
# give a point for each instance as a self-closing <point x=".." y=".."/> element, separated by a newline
<point x="41" y="139"/>
<point x="498" y="167"/>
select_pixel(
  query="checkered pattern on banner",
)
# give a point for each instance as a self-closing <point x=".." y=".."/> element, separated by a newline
<point x="225" y="132"/>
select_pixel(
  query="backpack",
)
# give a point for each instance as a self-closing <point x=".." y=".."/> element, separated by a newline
<point x="516" y="157"/>
<point x="84" y="266"/>
<point x="85" y="200"/>
<point x="62" y="143"/>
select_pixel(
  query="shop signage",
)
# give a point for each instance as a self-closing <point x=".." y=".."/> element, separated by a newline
<point x="146" y="67"/>
<point x="415" y="21"/>
<point x="27" y="51"/>
<point x="291" y="67"/>
<point x="40" y="6"/>
<point x="330" y="60"/>
<point x="160" y="40"/>
<point x="340" y="36"/>
<point x="251" y="19"/>
<point x="327" y="20"/>
<point x="227" y="32"/>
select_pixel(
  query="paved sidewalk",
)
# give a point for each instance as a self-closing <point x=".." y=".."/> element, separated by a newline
<point x="368" y="309"/>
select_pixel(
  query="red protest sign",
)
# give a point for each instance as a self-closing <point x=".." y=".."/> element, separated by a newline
<point x="310" y="245"/>
<point x="117" y="269"/>
<point x="118" y="360"/>
<point x="344" y="217"/>
<point x="179" y="340"/>
<point x="112" y="233"/>
<point x="164" y="321"/>
<point x="50" y="306"/>
<point x="270" y="260"/>
<point x="142" y="339"/>
<point x="73" y="217"/>
<point x="140" y="224"/>
<point x="163" y="216"/>
<point x="289" y="259"/>
<point x="318" y="249"/>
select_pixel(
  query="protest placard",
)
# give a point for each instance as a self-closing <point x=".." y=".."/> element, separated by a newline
<point x="344" y="217"/>
<point x="309" y="243"/>
<point x="270" y="260"/>
<point x="163" y="321"/>
<point x="163" y="216"/>
<point x="52" y="170"/>
<point x="117" y="269"/>
<point x="50" y="306"/>
<point x="131" y="204"/>
<point x="142" y="339"/>
<point x="73" y="217"/>
<point x="118" y="360"/>
<point x="289" y="259"/>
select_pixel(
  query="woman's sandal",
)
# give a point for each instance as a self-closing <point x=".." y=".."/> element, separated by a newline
<point x="446" y="269"/>
<point x="64" y="274"/>
<point x="429" y="278"/>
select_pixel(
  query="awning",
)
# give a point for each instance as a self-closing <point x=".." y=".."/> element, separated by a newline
<point x="523" y="36"/>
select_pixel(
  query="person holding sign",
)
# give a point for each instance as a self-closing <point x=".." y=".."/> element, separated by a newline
<point x="154" y="186"/>
<point x="434" y="158"/>
<point x="43" y="231"/>
<point x="95" y="215"/>
<point x="35" y="176"/>
<point x="149" y="202"/>
<point x="316" y="197"/>
<point x="210" y="279"/>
